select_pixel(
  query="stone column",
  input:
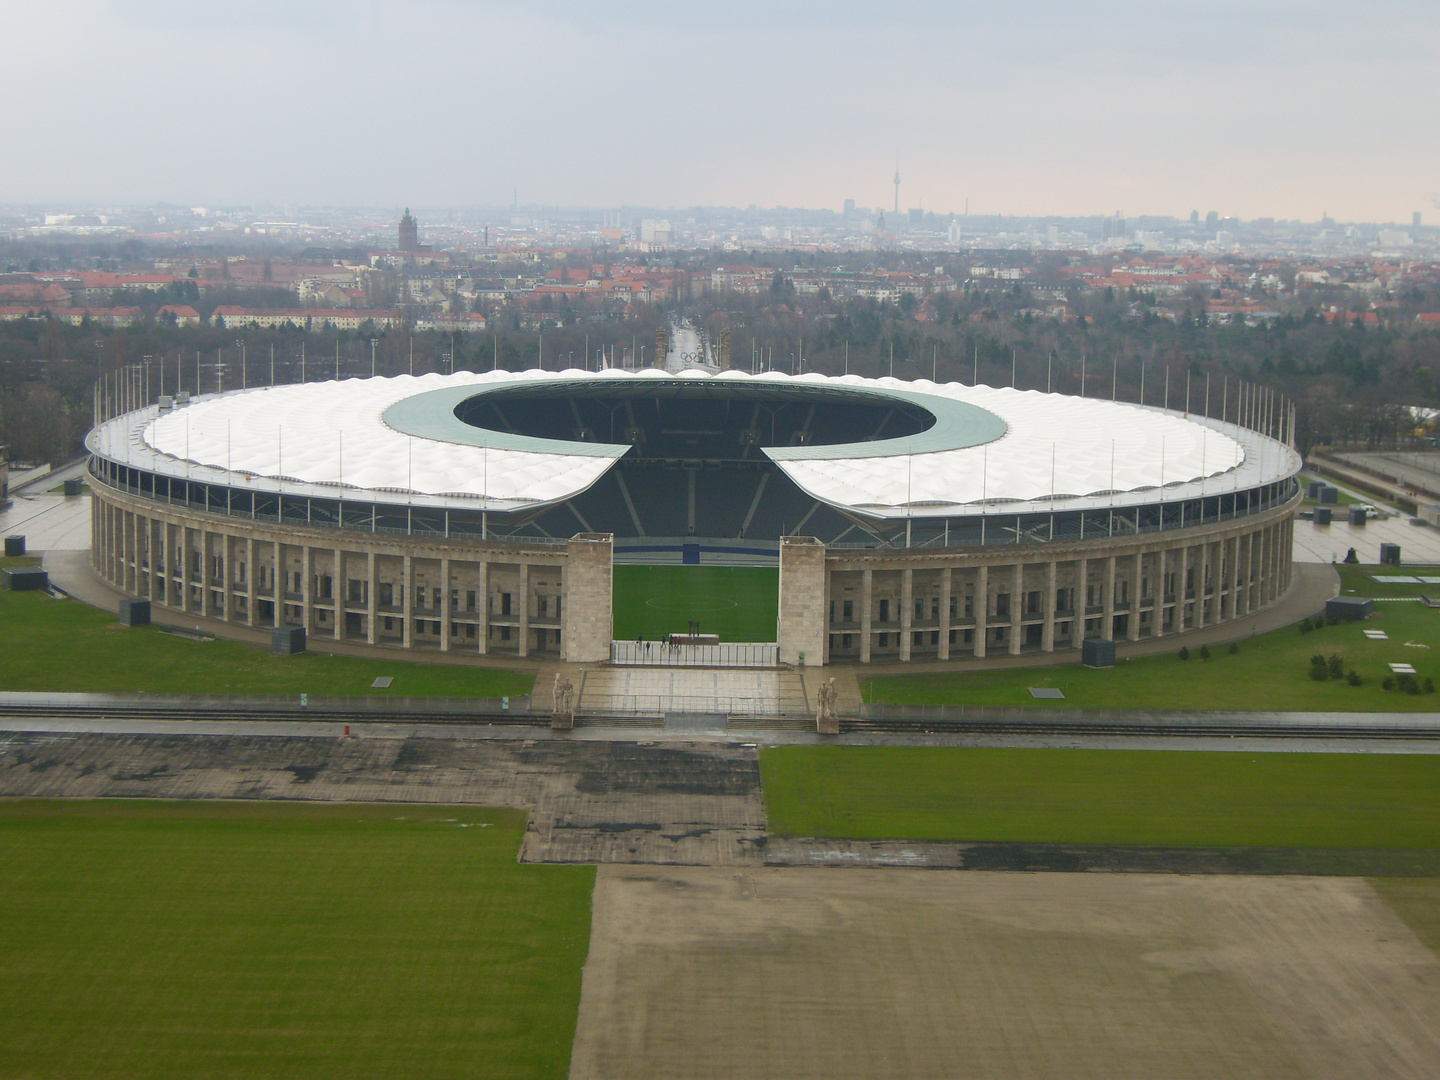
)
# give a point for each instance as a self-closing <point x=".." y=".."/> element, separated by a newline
<point x="1203" y="568"/>
<point x="127" y="523"/>
<point x="1242" y="599"/>
<point x="307" y="572"/>
<point x="587" y="619"/>
<point x="278" y="583"/>
<point x="1232" y="577"/>
<point x="802" y="627"/>
<point x="1081" y="603"/>
<point x="1047" y="633"/>
<point x="339" y="596"/>
<point x="102" y="549"/>
<point x="1107" y="620"/>
<point x="372" y="596"/>
<point x="252" y="580"/>
<point x="444" y="603"/>
<point x="1262" y="564"/>
<point x="227" y="575"/>
<point x="207" y="557"/>
<point x="482" y="588"/>
<point x="1017" y="606"/>
<point x="1135" y="582"/>
<point x="1180" y="590"/>
<point x="982" y="610"/>
<point x="867" y="586"/>
<point x="907" y="600"/>
<point x="186" y="546"/>
<point x="1157" y="615"/>
<point x="1287" y="551"/>
<point x="524" y="599"/>
<point x="407" y="601"/>
<point x="160" y="567"/>
<point x="947" y="590"/>
<point x="1276" y="534"/>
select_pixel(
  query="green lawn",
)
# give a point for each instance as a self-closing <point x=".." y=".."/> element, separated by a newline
<point x="740" y="603"/>
<point x="1417" y="901"/>
<point x="1270" y="671"/>
<point x="254" y="940"/>
<point x="1341" y="498"/>
<point x="1182" y="798"/>
<point x="67" y="645"/>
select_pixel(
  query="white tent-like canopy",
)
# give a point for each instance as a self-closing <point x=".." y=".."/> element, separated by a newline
<point x="1046" y="450"/>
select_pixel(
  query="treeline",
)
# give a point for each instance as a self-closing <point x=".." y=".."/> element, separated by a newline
<point x="1351" y="382"/>
<point x="48" y="369"/>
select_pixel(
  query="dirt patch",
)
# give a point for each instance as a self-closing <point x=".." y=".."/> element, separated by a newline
<point x="792" y="973"/>
<point x="1104" y="858"/>
<point x="592" y="801"/>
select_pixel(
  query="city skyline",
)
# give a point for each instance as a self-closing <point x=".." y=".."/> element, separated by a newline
<point x="1272" y="111"/>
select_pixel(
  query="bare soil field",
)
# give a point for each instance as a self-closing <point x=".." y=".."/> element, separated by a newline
<point x="790" y="973"/>
<point x="589" y="801"/>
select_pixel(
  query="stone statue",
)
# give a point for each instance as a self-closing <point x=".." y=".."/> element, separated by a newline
<point x="562" y="708"/>
<point x="827" y="721"/>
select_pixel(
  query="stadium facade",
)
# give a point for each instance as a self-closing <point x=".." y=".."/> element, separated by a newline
<point x="485" y="512"/>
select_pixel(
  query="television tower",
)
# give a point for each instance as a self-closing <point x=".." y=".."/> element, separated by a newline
<point x="897" y="186"/>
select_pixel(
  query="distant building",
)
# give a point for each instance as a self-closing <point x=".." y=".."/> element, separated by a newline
<point x="409" y="233"/>
<point x="231" y="317"/>
<point x="655" y="231"/>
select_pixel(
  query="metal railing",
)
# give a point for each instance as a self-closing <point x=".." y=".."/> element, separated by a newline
<point x="736" y="654"/>
<point x="591" y="704"/>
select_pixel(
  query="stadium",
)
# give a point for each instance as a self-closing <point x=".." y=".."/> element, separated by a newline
<point x="487" y="512"/>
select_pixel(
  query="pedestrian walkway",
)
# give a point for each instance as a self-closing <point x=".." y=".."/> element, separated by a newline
<point x="715" y="691"/>
<point x="49" y="522"/>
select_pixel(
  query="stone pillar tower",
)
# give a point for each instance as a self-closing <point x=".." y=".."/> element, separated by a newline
<point x="801" y="631"/>
<point x="586" y="623"/>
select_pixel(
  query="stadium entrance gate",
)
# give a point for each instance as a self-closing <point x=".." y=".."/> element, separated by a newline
<point x="734" y="654"/>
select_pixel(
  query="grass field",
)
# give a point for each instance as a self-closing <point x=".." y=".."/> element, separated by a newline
<point x="1270" y="671"/>
<point x="740" y="603"/>
<point x="1417" y="901"/>
<point x="258" y="940"/>
<point x="1181" y="798"/>
<point x="70" y="646"/>
<point x="1341" y="498"/>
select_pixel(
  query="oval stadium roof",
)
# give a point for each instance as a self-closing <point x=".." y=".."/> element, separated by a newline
<point x="990" y="450"/>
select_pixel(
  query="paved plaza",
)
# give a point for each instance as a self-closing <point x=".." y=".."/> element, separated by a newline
<point x="701" y="690"/>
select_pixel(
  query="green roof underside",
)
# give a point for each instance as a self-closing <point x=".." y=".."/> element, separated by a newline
<point x="432" y="415"/>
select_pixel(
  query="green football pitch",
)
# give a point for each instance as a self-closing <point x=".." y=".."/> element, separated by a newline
<point x="740" y="603"/>
<point x="1180" y="798"/>
<point x="256" y="940"/>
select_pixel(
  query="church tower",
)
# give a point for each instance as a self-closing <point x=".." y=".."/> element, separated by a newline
<point x="409" y="233"/>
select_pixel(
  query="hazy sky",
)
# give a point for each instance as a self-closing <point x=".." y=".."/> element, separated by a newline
<point x="1262" y="108"/>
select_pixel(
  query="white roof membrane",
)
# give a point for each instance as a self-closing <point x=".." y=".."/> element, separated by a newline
<point x="1056" y="452"/>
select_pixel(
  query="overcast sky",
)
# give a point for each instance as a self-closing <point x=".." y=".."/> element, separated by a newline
<point x="1264" y="108"/>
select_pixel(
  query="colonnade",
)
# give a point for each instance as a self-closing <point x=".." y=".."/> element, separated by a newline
<point x="941" y="605"/>
<point x="516" y="599"/>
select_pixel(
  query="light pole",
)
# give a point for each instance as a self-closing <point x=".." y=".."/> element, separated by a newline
<point x="240" y="344"/>
<point x="148" y="358"/>
<point x="373" y="343"/>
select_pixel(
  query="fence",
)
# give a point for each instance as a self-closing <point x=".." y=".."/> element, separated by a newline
<point x="592" y="704"/>
<point x="735" y="654"/>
